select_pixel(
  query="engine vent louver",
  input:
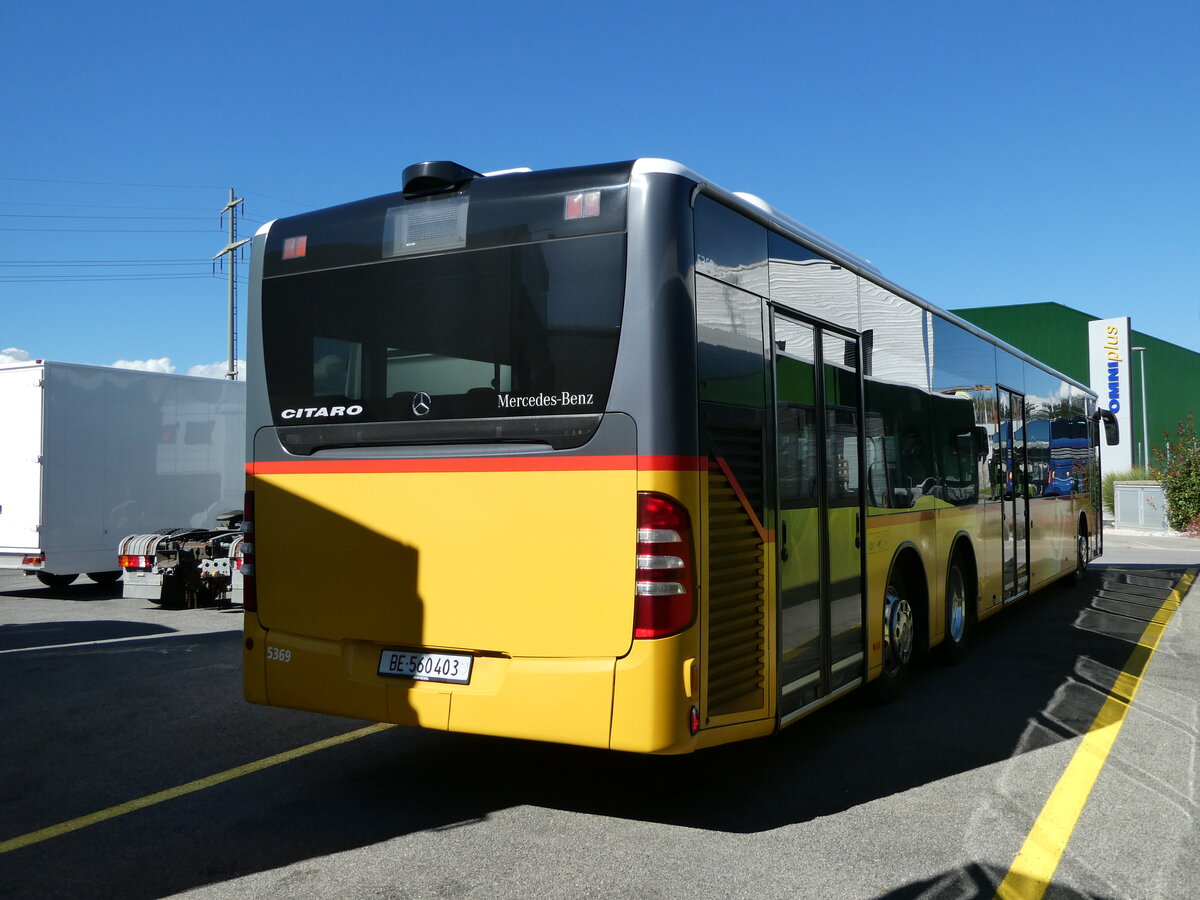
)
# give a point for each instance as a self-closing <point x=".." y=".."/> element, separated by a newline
<point x="736" y="578"/>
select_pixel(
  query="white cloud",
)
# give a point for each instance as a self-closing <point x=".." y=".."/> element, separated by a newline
<point x="13" y="355"/>
<point x="162" y="364"/>
<point x="218" y="370"/>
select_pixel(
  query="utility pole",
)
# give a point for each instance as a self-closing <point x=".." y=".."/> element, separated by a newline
<point x="232" y="208"/>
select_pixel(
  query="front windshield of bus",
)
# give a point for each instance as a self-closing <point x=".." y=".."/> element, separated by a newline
<point x="516" y="331"/>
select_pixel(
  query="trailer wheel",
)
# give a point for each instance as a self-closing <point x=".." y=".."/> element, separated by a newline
<point x="172" y="595"/>
<point x="55" y="581"/>
<point x="105" y="577"/>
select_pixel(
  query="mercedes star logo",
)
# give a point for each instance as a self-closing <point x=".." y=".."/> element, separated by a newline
<point x="422" y="403"/>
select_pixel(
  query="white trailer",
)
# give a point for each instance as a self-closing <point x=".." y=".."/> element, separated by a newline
<point x="90" y="454"/>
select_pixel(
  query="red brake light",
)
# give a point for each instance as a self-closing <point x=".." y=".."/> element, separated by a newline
<point x="664" y="602"/>
<point x="295" y="247"/>
<point x="249" y="588"/>
<point x="585" y="205"/>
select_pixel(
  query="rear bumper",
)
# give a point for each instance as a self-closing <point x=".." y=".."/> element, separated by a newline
<point x="15" y="559"/>
<point x="60" y="562"/>
<point x="562" y="700"/>
<point x="556" y="700"/>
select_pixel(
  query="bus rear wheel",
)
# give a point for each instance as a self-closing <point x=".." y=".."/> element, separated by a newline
<point x="899" y="637"/>
<point x="1081" y="557"/>
<point x="958" y="615"/>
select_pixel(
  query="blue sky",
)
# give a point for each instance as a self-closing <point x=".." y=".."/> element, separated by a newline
<point x="979" y="154"/>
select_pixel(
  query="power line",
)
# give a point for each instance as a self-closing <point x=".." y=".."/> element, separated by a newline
<point x="87" y="263"/>
<point x="64" y="216"/>
<point x="114" y="230"/>
<point x="196" y="187"/>
<point x="50" y="279"/>
<point x="193" y="209"/>
<point x="61" y="218"/>
<point x="279" y="199"/>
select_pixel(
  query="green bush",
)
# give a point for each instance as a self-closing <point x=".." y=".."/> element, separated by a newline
<point x="1111" y="478"/>
<point x="1179" y="475"/>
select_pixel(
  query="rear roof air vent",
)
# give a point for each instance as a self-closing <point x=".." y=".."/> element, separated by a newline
<point x="423" y="179"/>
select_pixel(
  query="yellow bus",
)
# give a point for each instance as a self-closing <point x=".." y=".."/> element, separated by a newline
<point x="614" y="457"/>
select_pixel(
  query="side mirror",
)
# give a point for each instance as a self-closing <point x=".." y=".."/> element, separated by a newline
<point x="1112" y="432"/>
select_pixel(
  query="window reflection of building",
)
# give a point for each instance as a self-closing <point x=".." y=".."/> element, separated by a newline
<point x="933" y="430"/>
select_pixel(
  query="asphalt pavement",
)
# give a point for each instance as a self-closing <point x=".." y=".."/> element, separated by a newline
<point x="110" y="701"/>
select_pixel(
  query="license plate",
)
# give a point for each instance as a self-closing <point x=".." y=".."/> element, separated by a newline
<point x="452" y="668"/>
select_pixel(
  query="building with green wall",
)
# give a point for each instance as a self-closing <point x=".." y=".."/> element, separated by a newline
<point x="1058" y="336"/>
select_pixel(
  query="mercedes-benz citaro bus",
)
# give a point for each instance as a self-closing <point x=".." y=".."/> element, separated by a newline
<point x="614" y="457"/>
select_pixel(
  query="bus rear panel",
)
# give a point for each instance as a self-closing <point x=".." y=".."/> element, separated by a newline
<point x="457" y="523"/>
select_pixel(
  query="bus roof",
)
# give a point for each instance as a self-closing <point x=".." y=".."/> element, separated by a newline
<point x="761" y="211"/>
<point x="758" y="209"/>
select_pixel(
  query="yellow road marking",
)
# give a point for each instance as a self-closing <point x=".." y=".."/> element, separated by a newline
<point x="199" y="784"/>
<point x="1038" y="859"/>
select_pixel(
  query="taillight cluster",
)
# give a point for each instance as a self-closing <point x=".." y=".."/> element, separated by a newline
<point x="249" y="590"/>
<point x="665" y="588"/>
<point x="135" y="562"/>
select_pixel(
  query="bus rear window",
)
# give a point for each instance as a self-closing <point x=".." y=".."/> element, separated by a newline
<point x="526" y="330"/>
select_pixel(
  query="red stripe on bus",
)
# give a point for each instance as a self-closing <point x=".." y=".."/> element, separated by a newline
<point x="476" y="464"/>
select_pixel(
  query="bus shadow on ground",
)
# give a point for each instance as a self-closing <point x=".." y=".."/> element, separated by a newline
<point x="1007" y="697"/>
<point x="50" y="634"/>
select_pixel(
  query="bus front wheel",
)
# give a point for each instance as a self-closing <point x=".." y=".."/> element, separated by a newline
<point x="1081" y="557"/>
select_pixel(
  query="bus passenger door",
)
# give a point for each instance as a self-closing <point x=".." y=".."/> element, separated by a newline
<point x="1015" y="524"/>
<point x="820" y="519"/>
<point x="1093" y="487"/>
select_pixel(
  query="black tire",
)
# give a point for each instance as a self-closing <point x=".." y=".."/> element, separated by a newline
<point x="55" y="581"/>
<point x="105" y="577"/>
<point x="1081" y="559"/>
<point x="959" y="599"/>
<point x="899" y="639"/>
<point x="172" y="595"/>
